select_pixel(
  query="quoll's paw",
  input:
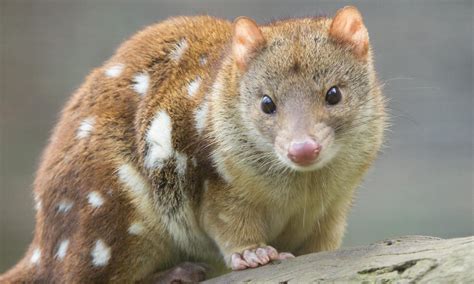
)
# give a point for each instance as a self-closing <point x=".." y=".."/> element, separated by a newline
<point x="186" y="272"/>
<point x="257" y="257"/>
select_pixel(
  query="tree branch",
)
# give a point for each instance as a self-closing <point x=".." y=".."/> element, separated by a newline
<point x="406" y="259"/>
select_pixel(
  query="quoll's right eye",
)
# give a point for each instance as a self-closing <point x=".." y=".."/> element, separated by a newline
<point x="267" y="105"/>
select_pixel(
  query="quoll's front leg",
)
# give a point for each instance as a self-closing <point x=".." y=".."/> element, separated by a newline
<point x="256" y="257"/>
<point x="238" y="228"/>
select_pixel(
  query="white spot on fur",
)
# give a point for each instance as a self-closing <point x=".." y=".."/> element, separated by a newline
<point x="100" y="253"/>
<point x="206" y="185"/>
<point x="200" y="115"/>
<point x="132" y="178"/>
<point x="135" y="229"/>
<point x="64" y="206"/>
<point x="115" y="70"/>
<point x="158" y="137"/>
<point x="95" y="199"/>
<point x="179" y="50"/>
<point x="202" y="60"/>
<point x="139" y="192"/>
<point x="36" y="256"/>
<point x="62" y="249"/>
<point x="37" y="203"/>
<point x="194" y="161"/>
<point x="85" y="128"/>
<point x="141" y="82"/>
<point x="193" y="87"/>
<point x="181" y="163"/>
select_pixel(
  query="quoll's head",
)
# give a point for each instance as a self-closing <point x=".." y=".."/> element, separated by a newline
<point x="305" y="87"/>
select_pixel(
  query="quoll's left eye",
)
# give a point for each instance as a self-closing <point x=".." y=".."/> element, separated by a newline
<point x="267" y="105"/>
<point x="333" y="95"/>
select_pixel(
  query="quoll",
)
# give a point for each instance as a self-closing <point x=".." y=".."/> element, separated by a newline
<point x="207" y="141"/>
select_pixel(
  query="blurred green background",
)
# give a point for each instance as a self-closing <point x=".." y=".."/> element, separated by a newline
<point x="421" y="184"/>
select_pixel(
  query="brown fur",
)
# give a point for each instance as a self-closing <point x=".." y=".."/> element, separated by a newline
<point x="238" y="195"/>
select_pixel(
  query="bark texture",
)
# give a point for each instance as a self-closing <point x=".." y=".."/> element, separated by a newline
<point x="407" y="259"/>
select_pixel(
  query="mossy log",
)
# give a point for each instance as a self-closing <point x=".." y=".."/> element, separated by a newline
<point x="407" y="259"/>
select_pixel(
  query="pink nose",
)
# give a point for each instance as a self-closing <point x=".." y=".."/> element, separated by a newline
<point x="304" y="152"/>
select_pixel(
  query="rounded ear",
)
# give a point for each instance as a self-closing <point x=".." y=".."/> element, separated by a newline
<point x="246" y="42"/>
<point x="348" y="27"/>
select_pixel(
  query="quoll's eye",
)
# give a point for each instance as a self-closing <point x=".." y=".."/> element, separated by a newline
<point x="333" y="96"/>
<point x="267" y="105"/>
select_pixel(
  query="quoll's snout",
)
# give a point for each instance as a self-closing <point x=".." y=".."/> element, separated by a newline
<point x="304" y="152"/>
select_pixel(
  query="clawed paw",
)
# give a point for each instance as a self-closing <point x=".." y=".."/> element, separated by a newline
<point x="257" y="257"/>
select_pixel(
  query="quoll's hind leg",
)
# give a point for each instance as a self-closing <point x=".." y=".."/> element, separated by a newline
<point x="111" y="240"/>
<point x="92" y="235"/>
<point x="101" y="227"/>
<point x="186" y="272"/>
